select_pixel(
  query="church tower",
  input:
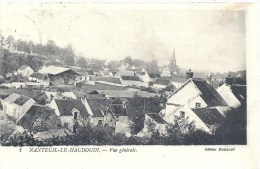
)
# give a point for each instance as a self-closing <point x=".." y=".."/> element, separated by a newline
<point x="173" y="67"/>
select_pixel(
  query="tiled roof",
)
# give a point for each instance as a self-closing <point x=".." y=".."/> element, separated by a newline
<point x="12" y="97"/>
<point x="66" y="106"/>
<point x="209" y="116"/>
<point x="156" y="118"/>
<point x="35" y="113"/>
<point x="21" y="100"/>
<point x="97" y="104"/>
<point x="90" y="72"/>
<point x="239" y="91"/>
<point x="23" y="67"/>
<point x="106" y="79"/>
<point x="162" y="82"/>
<point x="39" y="75"/>
<point x="54" y="70"/>
<point x="209" y="93"/>
<point x="126" y="93"/>
<point x="153" y="75"/>
<point x="130" y="78"/>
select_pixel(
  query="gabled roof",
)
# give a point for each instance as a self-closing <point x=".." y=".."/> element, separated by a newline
<point x="209" y="116"/>
<point x="23" y="67"/>
<point x="207" y="92"/>
<point x="97" y="105"/>
<point x="162" y="81"/>
<point x="130" y="78"/>
<point x="12" y="97"/>
<point x="66" y="106"/>
<point x="54" y="70"/>
<point x="60" y="95"/>
<point x="125" y="93"/>
<point x="21" y="100"/>
<point x="153" y="75"/>
<point x="106" y="79"/>
<point x="35" y="113"/>
<point x="39" y="75"/>
<point x="156" y="118"/>
<point x="90" y="72"/>
<point x="239" y="91"/>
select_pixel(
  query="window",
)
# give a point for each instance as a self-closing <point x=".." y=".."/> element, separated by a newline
<point x="99" y="122"/>
<point x="182" y="114"/>
<point x="198" y="105"/>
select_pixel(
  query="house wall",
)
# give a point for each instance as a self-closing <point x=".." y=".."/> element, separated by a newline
<point x="223" y="109"/>
<point x="110" y="120"/>
<point x="160" y="127"/>
<point x="159" y="86"/>
<point x="26" y="72"/>
<point x="192" y="117"/>
<point x="166" y="72"/>
<point x="67" y="119"/>
<point x="170" y="108"/>
<point x="182" y="96"/>
<point x="45" y="83"/>
<point x="176" y="84"/>
<point x="123" y="125"/>
<point x="145" y="78"/>
<point x="15" y="110"/>
<point x="96" y="119"/>
<point x="226" y="93"/>
<point x="134" y="83"/>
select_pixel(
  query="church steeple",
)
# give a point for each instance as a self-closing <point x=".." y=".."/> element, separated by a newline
<point x="172" y="65"/>
<point x="173" y="59"/>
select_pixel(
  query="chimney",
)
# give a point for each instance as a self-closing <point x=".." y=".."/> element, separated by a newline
<point x="229" y="80"/>
<point x="189" y="74"/>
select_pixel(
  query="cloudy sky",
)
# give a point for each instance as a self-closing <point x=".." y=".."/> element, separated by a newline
<point x="204" y="38"/>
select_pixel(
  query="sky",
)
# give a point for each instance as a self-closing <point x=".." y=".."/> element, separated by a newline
<point x="204" y="38"/>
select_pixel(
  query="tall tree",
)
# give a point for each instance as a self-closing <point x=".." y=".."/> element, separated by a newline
<point x="81" y="62"/>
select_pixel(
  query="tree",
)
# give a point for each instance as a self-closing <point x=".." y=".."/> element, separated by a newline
<point x="82" y="62"/>
<point x="129" y="60"/>
<point x="152" y="66"/>
<point x="10" y="41"/>
<point x="68" y="55"/>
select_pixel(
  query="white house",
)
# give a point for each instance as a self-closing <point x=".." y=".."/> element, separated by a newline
<point x="122" y="121"/>
<point x="161" y="83"/>
<point x="206" y="119"/>
<point x="16" y="105"/>
<point x="233" y="94"/>
<point x="49" y="96"/>
<point x="195" y="93"/>
<point x="72" y="113"/>
<point x="100" y="112"/>
<point x="144" y="76"/>
<point x="40" y="78"/>
<point x="133" y="81"/>
<point x="152" y="123"/>
<point x="25" y="71"/>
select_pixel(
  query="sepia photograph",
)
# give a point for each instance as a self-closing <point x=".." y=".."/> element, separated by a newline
<point x="77" y="74"/>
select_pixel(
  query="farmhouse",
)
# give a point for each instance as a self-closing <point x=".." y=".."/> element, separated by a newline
<point x="72" y="113"/>
<point x="60" y="75"/>
<point x="16" y="105"/>
<point x="39" y="118"/>
<point x="25" y="71"/>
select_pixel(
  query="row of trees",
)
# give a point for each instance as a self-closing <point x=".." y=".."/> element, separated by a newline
<point x="50" y="50"/>
<point x="53" y="52"/>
